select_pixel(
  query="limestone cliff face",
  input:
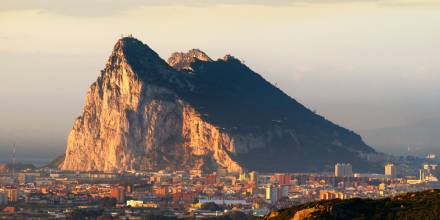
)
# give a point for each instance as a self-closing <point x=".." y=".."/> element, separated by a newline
<point x="129" y="124"/>
<point x="143" y="113"/>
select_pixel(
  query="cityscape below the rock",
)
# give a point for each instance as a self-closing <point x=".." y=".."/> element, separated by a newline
<point x="52" y="193"/>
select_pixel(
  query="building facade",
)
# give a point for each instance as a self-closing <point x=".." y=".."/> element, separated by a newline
<point x="343" y="170"/>
<point x="391" y="170"/>
<point x="118" y="192"/>
<point x="11" y="194"/>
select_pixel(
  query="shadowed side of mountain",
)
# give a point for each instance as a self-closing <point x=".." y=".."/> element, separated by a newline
<point x="230" y="95"/>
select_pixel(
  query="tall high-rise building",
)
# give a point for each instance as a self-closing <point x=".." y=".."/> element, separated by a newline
<point x="427" y="173"/>
<point x="253" y="178"/>
<point x="118" y="192"/>
<point x="343" y="170"/>
<point x="242" y="177"/>
<point x="3" y="198"/>
<point x="272" y="194"/>
<point x="390" y="170"/>
<point x="284" y="191"/>
<point x="422" y="175"/>
<point x="338" y="170"/>
<point x="11" y="194"/>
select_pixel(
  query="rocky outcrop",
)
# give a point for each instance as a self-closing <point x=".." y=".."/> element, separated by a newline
<point x="145" y="114"/>
<point x="183" y="61"/>
<point x="304" y="214"/>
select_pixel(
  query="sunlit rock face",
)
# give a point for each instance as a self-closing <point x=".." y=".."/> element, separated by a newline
<point x="130" y="124"/>
<point x="183" y="61"/>
<point x="143" y="113"/>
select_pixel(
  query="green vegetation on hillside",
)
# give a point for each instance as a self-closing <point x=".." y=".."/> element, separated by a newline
<point x="420" y="205"/>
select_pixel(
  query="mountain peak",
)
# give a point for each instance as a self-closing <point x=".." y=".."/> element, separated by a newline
<point x="140" y="57"/>
<point x="135" y="49"/>
<point x="183" y="61"/>
<point x="127" y="44"/>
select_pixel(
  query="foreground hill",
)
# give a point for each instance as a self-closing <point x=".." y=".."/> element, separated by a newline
<point x="192" y="112"/>
<point x="421" y="205"/>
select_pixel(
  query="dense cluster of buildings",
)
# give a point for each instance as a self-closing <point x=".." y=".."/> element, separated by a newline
<point x="57" y="194"/>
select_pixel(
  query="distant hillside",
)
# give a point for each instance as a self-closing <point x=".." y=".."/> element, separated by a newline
<point x="421" y="205"/>
<point x="56" y="162"/>
<point x="9" y="167"/>
<point x="417" y="138"/>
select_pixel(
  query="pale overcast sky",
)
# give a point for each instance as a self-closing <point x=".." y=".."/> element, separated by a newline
<point x="361" y="64"/>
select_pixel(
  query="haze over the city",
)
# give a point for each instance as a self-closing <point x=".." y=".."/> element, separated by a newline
<point x="370" y="66"/>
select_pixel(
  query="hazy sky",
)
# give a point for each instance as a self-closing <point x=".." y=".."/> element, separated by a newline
<point x="362" y="64"/>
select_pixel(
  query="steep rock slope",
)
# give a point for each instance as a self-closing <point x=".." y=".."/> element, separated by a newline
<point x="143" y="113"/>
